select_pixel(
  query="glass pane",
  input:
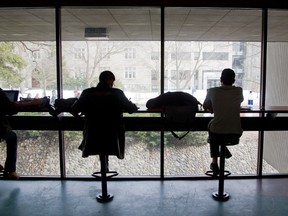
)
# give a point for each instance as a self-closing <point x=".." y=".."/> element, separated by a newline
<point x="27" y="44"/>
<point x="125" y="41"/>
<point x="275" y="148"/>
<point x="142" y="156"/>
<point x="32" y="52"/>
<point x="199" y="44"/>
<point x="38" y="153"/>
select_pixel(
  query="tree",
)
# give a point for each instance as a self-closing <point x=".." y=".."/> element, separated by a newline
<point x="42" y="62"/>
<point x="10" y="65"/>
<point x="89" y="59"/>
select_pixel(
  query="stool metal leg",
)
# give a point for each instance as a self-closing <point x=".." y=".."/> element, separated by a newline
<point x="221" y="195"/>
<point x="104" y="197"/>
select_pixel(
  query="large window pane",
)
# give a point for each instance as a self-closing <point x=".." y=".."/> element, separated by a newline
<point x="275" y="148"/>
<point x="142" y="156"/>
<point x="27" y="64"/>
<point x="199" y="44"/>
<point x="125" y="41"/>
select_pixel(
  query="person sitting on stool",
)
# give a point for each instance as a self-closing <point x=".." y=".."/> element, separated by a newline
<point x="225" y="102"/>
<point x="103" y="107"/>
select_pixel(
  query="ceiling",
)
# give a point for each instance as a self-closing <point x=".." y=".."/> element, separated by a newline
<point x="144" y="24"/>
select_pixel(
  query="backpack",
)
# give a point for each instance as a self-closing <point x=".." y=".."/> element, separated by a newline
<point x="179" y="108"/>
<point x="63" y="105"/>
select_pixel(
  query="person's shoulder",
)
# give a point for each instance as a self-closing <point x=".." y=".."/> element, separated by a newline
<point x="116" y="90"/>
<point x="91" y="89"/>
<point x="214" y="89"/>
<point x="238" y="88"/>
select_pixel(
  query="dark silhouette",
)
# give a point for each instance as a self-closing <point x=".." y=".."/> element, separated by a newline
<point x="224" y="102"/>
<point x="103" y="107"/>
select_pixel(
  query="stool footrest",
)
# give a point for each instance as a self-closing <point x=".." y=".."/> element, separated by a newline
<point x="210" y="173"/>
<point x="224" y="197"/>
<point x="109" y="174"/>
<point x="104" y="198"/>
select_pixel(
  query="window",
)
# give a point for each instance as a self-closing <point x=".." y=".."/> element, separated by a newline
<point x="105" y="53"/>
<point x="155" y="56"/>
<point x="130" y="53"/>
<point x="238" y="62"/>
<point x="212" y="50"/>
<point x="196" y="55"/>
<point x="154" y="75"/>
<point x="130" y="73"/>
<point x="36" y="55"/>
<point x="238" y="48"/>
<point x="79" y="53"/>
<point x="181" y="56"/>
<point x="215" y="56"/>
<point x="104" y="69"/>
<point x="180" y="75"/>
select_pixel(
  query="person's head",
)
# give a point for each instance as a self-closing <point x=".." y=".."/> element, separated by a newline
<point x="227" y="76"/>
<point x="107" y="78"/>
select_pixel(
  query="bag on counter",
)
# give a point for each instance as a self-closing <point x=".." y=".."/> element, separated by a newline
<point x="63" y="105"/>
<point x="180" y="108"/>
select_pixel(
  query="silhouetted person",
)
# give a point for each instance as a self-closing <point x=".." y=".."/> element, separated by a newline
<point x="224" y="102"/>
<point x="8" y="108"/>
<point x="103" y="107"/>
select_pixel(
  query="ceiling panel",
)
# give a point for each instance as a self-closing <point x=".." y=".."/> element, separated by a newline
<point x="143" y="24"/>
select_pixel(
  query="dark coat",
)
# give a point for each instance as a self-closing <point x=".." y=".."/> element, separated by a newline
<point x="6" y="108"/>
<point x="104" y="131"/>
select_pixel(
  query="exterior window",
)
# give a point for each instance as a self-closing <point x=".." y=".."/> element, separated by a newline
<point x="238" y="62"/>
<point x="130" y="53"/>
<point x="196" y="55"/>
<point x="155" y="56"/>
<point x="36" y="55"/>
<point x="79" y="53"/>
<point x="154" y="75"/>
<point x="181" y="56"/>
<point x="211" y="83"/>
<point x="104" y="53"/>
<point x="103" y="69"/>
<point x="180" y="75"/>
<point x="215" y="55"/>
<point x="238" y="48"/>
<point x="130" y="73"/>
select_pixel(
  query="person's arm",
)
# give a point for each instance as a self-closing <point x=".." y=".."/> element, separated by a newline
<point x="127" y="105"/>
<point x="77" y="107"/>
<point x="207" y="105"/>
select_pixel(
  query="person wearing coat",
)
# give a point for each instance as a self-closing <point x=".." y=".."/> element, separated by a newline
<point x="103" y="107"/>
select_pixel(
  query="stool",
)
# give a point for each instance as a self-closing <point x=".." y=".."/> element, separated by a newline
<point x="1" y="171"/>
<point x="225" y="140"/>
<point x="104" y="196"/>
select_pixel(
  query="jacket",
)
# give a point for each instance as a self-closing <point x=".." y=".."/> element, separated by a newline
<point x="104" y="131"/>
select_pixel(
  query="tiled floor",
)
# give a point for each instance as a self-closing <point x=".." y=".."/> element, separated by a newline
<point x="266" y="197"/>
